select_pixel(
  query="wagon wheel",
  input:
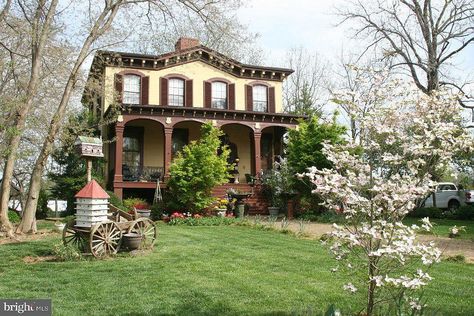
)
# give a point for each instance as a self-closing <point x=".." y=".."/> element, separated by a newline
<point x="147" y="229"/>
<point x="74" y="237"/>
<point x="105" y="239"/>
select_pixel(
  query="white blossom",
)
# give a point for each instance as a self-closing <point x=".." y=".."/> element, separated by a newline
<point x="350" y="287"/>
<point x="399" y="134"/>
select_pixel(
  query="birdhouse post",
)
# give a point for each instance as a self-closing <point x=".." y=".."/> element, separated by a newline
<point x="89" y="147"/>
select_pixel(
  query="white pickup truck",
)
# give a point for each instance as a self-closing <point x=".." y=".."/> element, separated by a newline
<point x="448" y="195"/>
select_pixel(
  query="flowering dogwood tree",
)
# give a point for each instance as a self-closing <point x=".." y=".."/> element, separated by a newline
<point x="405" y="136"/>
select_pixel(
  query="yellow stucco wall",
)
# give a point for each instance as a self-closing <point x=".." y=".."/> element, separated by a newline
<point x="194" y="129"/>
<point x="153" y="142"/>
<point x="198" y="72"/>
<point x="240" y="136"/>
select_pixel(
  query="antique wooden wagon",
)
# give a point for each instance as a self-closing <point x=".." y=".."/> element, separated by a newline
<point x="99" y="228"/>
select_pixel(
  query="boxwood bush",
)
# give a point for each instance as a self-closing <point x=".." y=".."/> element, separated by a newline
<point x="465" y="212"/>
<point x="14" y="217"/>
<point x="431" y="212"/>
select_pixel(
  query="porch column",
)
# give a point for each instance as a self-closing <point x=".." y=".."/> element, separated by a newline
<point x="258" y="161"/>
<point x="118" y="177"/>
<point x="168" y="143"/>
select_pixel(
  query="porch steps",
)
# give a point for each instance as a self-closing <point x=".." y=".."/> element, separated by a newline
<point x="257" y="203"/>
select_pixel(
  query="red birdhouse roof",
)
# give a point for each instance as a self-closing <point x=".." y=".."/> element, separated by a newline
<point x="92" y="190"/>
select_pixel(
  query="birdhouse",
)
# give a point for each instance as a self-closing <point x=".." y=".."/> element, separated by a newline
<point x="92" y="205"/>
<point x="89" y="146"/>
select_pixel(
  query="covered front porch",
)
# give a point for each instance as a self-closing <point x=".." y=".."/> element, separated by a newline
<point x="145" y="146"/>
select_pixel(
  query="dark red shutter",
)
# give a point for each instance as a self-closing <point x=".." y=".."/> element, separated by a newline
<point x="207" y="94"/>
<point x="118" y="87"/>
<point x="271" y="100"/>
<point x="231" y="95"/>
<point x="145" y="88"/>
<point x="163" y="91"/>
<point x="248" y="98"/>
<point x="189" y="93"/>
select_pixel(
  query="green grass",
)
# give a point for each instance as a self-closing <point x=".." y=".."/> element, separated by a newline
<point x="43" y="224"/>
<point x="441" y="227"/>
<point x="207" y="271"/>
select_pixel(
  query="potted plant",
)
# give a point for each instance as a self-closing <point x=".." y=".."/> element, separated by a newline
<point x="276" y="186"/>
<point x="143" y="210"/>
<point x="239" y="198"/>
<point x="59" y="226"/>
<point x="140" y="206"/>
<point x="221" y="207"/>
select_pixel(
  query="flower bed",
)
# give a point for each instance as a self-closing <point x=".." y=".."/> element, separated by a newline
<point x="188" y="219"/>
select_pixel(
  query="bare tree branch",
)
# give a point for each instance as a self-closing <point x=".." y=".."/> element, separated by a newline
<point x="422" y="35"/>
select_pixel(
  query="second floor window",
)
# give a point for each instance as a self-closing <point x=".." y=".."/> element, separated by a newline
<point x="260" y="98"/>
<point x="131" y="89"/>
<point x="219" y="95"/>
<point x="176" y="92"/>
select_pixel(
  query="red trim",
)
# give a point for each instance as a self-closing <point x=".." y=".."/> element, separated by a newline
<point x="163" y="91"/>
<point x="188" y="93"/>
<point x="177" y="76"/>
<point x="138" y="185"/>
<point x="207" y="86"/>
<point x="259" y="83"/>
<point x="219" y="79"/>
<point x="131" y="72"/>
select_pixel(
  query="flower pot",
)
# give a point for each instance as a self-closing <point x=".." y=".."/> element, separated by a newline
<point x="59" y="227"/>
<point x="144" y="213"/>
<point x="132" y="241"/>
<point x="240" y="210"/>
<point x="221" y="212"/>
<point x="273" y="211"/>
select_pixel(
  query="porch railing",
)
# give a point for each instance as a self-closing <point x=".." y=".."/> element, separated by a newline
<point x="142" y="173"/>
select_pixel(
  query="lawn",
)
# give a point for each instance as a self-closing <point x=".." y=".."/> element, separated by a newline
<point x="441" y="227"/>
<point x="207" y="271"/>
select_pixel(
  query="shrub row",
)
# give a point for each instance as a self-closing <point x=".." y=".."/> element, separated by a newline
<point x="465" y="212"/>
<point x="204" y="221"/>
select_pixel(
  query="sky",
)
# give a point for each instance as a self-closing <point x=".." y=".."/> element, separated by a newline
<point x="285" y="24"/>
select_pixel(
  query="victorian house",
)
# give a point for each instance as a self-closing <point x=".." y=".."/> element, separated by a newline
<point x="164" y="99"/>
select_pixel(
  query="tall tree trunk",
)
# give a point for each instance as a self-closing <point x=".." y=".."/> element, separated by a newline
<point x="371" y="289"/>
<point x="432" y="80"/>
<point x="28" y="223"/>
<point x="102" y="24"/>
<point x="40" y="34"/>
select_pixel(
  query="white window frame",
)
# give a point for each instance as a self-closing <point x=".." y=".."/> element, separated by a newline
<point x="131" y="89"/>
<point x="176" y="88"/>
<point x="219" y="95"/>
<point x="260" y="98"/>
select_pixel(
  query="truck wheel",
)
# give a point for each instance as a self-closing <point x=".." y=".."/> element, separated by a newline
<point x="453" y="205"/>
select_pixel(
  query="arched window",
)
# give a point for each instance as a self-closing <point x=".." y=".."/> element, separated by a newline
<point x="176" y="92"/>
<point x="219" y="95"/>
<point x="131" y="89"/>
<point x="260" y="98"/>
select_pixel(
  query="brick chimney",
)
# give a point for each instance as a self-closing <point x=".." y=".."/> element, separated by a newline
<point x="185" y="43"/>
